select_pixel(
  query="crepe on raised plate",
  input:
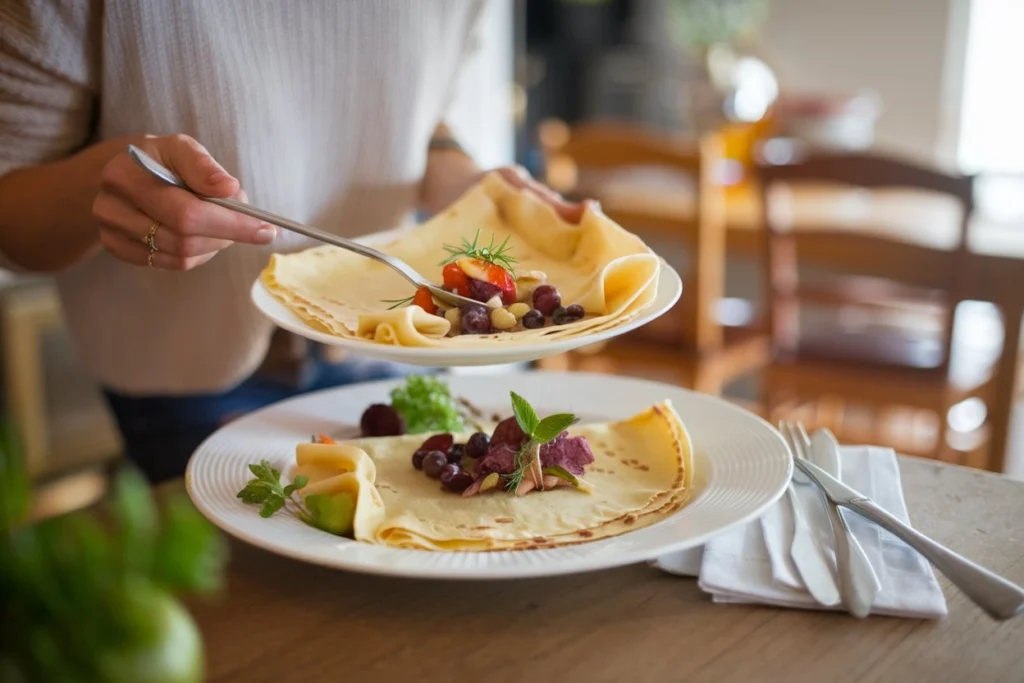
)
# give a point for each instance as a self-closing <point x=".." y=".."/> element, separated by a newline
<point x="641" y="474"/>
<point x="594" y="263"/>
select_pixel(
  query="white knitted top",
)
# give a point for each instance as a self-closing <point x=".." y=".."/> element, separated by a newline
<point x="323" y="109"/>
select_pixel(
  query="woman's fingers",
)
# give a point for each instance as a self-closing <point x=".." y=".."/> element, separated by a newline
<point x="179" y="210"/>
<point x="190" y="230"/>
<point x="193" y="164"/>
<point x="571" y="212"/>
<point x="126" y="248"/>
<point x="118" y="215"/>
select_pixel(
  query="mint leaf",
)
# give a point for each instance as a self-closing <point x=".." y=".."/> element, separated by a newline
<point x="551" y="426"/>
<point x="526" y="416"/>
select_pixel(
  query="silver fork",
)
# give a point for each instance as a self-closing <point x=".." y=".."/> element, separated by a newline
<point x="401" y="267"/>
<point x="857" y="579"/>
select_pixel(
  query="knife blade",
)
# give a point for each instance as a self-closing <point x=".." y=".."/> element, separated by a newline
<point x="825" y="452"/>
<point x="809" y="557"/>
<point x="1000" y="598"/>
<point x="858" y="581"/>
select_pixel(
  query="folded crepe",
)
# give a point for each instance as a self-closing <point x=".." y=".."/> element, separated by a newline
<point x="641" y="474"/>
<point x="594" y="263"/>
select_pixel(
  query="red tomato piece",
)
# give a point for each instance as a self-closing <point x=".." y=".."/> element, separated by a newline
<point x="424" y="300"/>
<point x="492" y="273"/>
<point x="455" y="278"/>
<point x="503" y="280"/>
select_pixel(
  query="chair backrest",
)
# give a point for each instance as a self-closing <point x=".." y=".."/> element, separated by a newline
<point x="571" y="151"/>
<point x="864" y="250"/>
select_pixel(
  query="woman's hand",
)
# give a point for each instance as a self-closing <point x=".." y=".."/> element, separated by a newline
<point x="188" y="232"/>
<point x="520" y="178"/>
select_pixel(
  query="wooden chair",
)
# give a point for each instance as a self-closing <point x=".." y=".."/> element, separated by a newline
<point x="60" y="421"/>
<point x="911" y="348"/>
<point x="689" y="345"/>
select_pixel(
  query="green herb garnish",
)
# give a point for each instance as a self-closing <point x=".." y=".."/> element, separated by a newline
<point x="495" y="254"/>
<point x="333" y="514"/>
<point x="426" y="405"/>
<point x="397" y="303"/>
<point x="538" y="432"/>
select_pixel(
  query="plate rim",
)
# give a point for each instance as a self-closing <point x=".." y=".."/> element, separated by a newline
<point x="578" y="565"/>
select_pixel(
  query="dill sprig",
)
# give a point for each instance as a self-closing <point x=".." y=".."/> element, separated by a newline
<point x="495" y="254"/>
<point x="522" y="465"/>
<point x="397" y="303"/>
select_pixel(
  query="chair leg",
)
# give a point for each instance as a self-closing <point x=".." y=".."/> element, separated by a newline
<point x="707" y="379"/>
<point x="25" y="316"/>
<point x="941" y="449"/>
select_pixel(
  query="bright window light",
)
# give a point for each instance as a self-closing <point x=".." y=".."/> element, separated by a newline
<point x="992" y="116"/>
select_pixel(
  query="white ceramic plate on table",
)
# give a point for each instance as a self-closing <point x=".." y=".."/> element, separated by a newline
<point x="741" y="466"/>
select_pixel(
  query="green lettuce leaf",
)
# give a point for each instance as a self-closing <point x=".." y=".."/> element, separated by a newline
<point x="426" y="405"/>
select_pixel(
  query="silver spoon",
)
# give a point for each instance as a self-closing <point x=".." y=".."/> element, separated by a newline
<point x="404" y="269"/>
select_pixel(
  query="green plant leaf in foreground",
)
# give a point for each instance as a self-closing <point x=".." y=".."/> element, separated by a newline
<point x="14" y="485"/>
<point x="190" y="553"/>
<point x="90" y="598"/>
<point x="136" y="516"/>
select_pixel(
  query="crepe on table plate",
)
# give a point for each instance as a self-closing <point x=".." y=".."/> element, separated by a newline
<point x="641" y="474"/>
<point x="608" y="271"/>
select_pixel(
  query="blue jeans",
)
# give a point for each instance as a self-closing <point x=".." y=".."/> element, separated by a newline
<point x="160" y="433"/>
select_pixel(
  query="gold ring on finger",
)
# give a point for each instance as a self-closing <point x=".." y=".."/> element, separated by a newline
<point x="150" y="241"/>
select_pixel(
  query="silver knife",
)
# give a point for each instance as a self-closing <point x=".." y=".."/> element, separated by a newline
<point x="1000" y="598"/>
<point x="809" y="557"/>
<point x="858" y="581"/>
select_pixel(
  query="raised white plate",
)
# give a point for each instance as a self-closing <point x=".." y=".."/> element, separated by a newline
<point x="741" y="467"/>
<point x="670" y="286"/>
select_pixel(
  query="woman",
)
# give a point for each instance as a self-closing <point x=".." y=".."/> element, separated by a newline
<point x="328" y="112"/>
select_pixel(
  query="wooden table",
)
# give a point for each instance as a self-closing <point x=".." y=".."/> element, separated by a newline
<point x="995" y="273"/>
<point x="283" y="621"/>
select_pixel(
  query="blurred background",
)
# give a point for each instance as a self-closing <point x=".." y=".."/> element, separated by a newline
<point x="682" y="118"/>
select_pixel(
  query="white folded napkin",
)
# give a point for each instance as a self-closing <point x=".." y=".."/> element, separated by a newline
<point x="751" y="563"/>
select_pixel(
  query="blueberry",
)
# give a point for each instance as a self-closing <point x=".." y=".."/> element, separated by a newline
<point x="533" y="319"/>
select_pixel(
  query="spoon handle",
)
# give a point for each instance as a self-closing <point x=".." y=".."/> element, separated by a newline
<point x="1000" y="598"/>
<point x="858" y="582"/>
